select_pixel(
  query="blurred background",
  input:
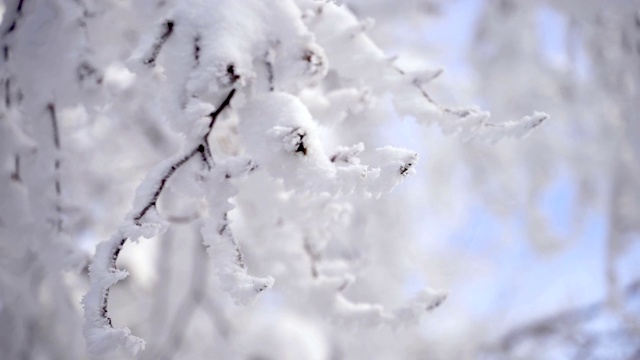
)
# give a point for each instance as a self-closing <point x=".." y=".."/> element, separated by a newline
<point x="536" y="239"/>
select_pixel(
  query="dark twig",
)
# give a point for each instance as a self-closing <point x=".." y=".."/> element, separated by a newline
<point x="196" y="49"/>
<point x="105" y="297"/>
<point x="270" y="73"/>
<point x="314" y="257"/>
<point x="202" y="148"/>
<point x="214" y="116"/>
<point x="56" y="164"/>
<point x="225" y="230"/>
<point x="163" y="182"/>
<point x="7" y="92"/>
<point x="167" y="30"/>
<point x="6" y="50"/>
<point x="199" y="149"/>
<point x="15" y="175"/>
<point x="14" y="23"/>
<point x="54" y="121"/>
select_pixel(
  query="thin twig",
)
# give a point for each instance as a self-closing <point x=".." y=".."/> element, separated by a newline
<point x="314" y="257"/>
<point x="14" y="23"/>
<point x="214" y="116"/>
<point x="460" y="113"/>
<point x="196" y="49"/>
<point x="6" y="50"/>
<point x="202" y="148"/>
<point x="199" y="148"/>
<point x="15" y="175"/>
<point x="7" y="92"/>
<point x="163" y="182"/>
<point x="167" y="30"/>
<point x="270" y="72"/>
<point x="56" y="164"/>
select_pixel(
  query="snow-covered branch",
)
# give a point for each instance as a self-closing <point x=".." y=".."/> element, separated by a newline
<point x="103" y="273"/>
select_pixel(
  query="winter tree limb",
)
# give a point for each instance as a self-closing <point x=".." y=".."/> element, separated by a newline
<point x="103" y="272"/>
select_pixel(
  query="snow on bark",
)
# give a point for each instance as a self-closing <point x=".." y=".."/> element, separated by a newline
<point x="223" y="248"/>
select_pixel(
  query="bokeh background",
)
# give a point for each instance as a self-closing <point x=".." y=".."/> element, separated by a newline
<point x="536" y="239"/>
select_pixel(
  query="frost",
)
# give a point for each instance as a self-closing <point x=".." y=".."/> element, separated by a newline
<point x="118" y="77"/>
<point x="424" y="301"/>
<point x="281" y="136"/>
<point x="395" y="164"/>
<point x="100" y="335"/>
<point x="327" y="292"/>
<point x="221" y="244"/>
<point x="103" y="341"/>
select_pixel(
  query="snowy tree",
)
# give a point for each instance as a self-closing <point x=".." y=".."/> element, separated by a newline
<point x="208" y="178"/>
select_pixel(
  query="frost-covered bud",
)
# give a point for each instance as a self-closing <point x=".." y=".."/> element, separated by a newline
<point x="293" y="139"/>
<point x="229" y="75"/>
<point x="347" y="155"/>
<point x="426" y="300"/>
<point x="395" y="164"/>
<point x="315" y="60"/>
<point x="299" y="64"/>
<point x="278" y="132"/>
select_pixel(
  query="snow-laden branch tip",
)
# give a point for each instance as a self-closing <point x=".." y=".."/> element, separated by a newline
<point x="280" y="134"/>
<point x="328" y="295"/>
<point x="359" y="58"/>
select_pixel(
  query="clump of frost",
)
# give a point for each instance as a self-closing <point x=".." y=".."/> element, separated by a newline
<point x="280" y="134"/>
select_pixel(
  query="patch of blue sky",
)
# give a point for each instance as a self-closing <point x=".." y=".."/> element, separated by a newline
<point x="561" y="47"/>
<point x="453" y="33"/>
<point x="627" y="262"/>
<point x="573" y="276"/>
<point x="521" y="283"/>
<point x="558" y="205"/>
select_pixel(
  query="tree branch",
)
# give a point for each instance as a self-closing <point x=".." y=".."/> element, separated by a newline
<point x="14" y="22"/>
<point x="196" y="49"/>
<point x="118" y="243"/>
<point x="163" y="182"/>
<point x="15" y="175"/>
<point x="202" y="148"/>
<point x="56" y="164"/>
<point x="214" y="116"/>
<point x="167" y="30"/>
